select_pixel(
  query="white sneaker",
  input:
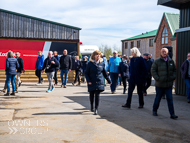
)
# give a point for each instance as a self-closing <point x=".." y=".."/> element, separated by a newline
<point x="38" y="84"/>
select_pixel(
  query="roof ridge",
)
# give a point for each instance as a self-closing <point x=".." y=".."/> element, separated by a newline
<point x="169" y="24"/>
<point x="171" y="13"/>
<point x="40" y="19"/>
<point x="144" y="35"/>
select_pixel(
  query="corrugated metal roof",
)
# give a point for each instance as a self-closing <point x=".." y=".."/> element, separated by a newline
<point x="173" y="22"/>
<point x="31" y="17"/>
<point x="143" y="35"/>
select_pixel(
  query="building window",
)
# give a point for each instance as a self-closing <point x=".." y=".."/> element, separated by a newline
<point x="132" y="44"/>
<point x="138" y="44"/>
<point x="126" y="45"/>
<point x="151" y="42"/>
<point x="165" y="36"/>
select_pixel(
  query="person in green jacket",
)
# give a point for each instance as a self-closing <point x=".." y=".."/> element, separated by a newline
<point x="164" y="72"/>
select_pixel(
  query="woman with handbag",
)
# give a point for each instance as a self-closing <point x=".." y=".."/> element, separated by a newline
<point x="94" y="74"/>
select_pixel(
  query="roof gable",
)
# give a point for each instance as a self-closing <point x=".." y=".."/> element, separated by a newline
<point x="172" y="21"/>
<point x="144" y="35"/>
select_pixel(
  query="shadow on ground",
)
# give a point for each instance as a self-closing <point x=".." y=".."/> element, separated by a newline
<point x="159" y="129"/>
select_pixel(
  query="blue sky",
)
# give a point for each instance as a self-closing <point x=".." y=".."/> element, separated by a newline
<point x="102" y="21"/>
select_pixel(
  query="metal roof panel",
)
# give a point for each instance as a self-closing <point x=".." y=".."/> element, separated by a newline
<point x="27" y="16"/>
<point x="143" y="35"/>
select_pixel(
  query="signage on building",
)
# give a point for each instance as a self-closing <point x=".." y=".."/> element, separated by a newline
<point x="29" y="50"/>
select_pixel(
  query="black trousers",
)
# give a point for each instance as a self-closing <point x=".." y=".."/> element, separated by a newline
<point x="147" y="84"/>
<point x="95" y="93"/>
<point x="77" y="76"/>
<point x="124" y="80"/>
<point x="55" y="76"/>
<point x="38" y="74"/>
<point x="139" y="91"/>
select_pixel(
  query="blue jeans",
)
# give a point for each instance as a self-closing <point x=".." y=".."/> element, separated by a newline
<point x="66" y="72"/>
<point x="10" y="78"/>
<point x="187" y="82"/>
<point x="168" y="92"/>
<point x="114" y="80"/>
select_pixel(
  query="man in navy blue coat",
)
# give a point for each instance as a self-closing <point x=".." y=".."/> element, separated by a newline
<point x="148" y="63"/>
<point x="124" y="72"/>
<point x="57" y="68"/>
<point x="185" y="71"/>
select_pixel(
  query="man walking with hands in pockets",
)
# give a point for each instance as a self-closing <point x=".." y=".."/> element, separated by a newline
<point x="164" y="72"/>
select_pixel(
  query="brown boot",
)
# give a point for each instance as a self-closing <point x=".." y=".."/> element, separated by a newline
<point x="13" y="94"/>
<point x="4" y="90"/>
<point x="7" y="94"/>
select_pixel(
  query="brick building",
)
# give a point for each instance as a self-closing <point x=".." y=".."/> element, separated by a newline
<point x="166" y="33"/>
<point x="164" y="36"/>
<point x="144" y="41"/>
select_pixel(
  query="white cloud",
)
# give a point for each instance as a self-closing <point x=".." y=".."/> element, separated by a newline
<point x="102" y="21"/>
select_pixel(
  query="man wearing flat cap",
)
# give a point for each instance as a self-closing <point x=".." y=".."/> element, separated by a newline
<point x="150" y="57"/>
<point x="148" y="63"/>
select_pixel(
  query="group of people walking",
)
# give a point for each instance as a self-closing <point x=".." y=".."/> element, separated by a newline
<point x="137" y="71"/>
<point x="14" y="67"/>
<point x="52" y="64"/>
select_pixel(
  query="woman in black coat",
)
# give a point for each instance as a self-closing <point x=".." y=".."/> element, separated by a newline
<point x="94" y="75"/>
<point x="78" y="66"/>
<point x="124" y="72"/>
<point x="138" y="74"/>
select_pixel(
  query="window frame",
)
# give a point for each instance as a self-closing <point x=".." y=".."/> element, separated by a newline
<point x="164" y="36"/>
<point x="126" y="45"/>
<point x="138" y="43"/>
<point x="151" y="42"/>
<point x="132" y="44"/>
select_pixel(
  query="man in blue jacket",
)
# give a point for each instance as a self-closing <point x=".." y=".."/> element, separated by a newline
<point x="39" y="66"/>
<point x="113" y="68"/>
